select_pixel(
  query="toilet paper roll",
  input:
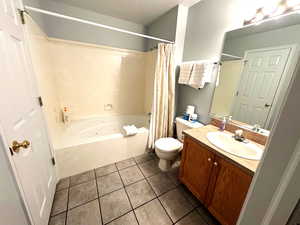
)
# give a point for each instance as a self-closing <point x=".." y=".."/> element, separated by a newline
<point x="190" y="109"/>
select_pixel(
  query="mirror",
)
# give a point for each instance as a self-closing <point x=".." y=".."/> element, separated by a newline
<point x="257" y="66"/>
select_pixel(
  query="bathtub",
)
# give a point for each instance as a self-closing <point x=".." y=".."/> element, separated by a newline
<point x="94" y="142"/>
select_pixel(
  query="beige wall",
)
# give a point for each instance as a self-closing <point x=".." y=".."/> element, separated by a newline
<point x="43" y="68"/>
<point x="91" y="76"/>
<point x="228" y="83"/>
<point x="86" y="77"/>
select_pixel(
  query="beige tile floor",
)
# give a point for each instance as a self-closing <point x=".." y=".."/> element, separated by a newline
<point x="131" y="192"/>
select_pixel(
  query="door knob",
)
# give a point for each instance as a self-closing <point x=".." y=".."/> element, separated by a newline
<point x="209" y="159"/>
<point x="16" y="145"/>
<point x="215" y="164"/>
<point x="267" y="105"/>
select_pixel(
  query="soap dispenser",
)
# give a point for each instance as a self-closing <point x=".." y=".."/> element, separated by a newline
<point x="223" y="124"/>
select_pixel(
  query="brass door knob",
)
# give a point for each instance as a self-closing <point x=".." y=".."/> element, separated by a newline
<point x="16" y="145"/>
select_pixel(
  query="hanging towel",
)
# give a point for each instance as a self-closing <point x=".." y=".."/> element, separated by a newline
<point x="201" y="73"/>
<point x="185" y="73"/>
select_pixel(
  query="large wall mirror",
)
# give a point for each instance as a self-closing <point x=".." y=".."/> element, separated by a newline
<point x="257" y="66"/>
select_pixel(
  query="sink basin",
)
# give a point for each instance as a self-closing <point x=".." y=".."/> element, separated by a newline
<point x="227" y="143"/>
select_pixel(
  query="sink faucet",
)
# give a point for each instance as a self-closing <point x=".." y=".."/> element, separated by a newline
<point x="228" y="118"/>
<point x="256" y="127"/>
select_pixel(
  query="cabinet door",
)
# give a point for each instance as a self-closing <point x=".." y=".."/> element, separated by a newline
<point x="196" y="168"/>
<point x="227" y="191"/>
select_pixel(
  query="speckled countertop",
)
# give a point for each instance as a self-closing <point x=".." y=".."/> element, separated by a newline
<point x="199" y="135"/>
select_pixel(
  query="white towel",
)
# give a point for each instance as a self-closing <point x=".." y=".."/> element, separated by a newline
<point x="185" y="73"/>
<point x="130" y="130"/>
<point x="201" y="73"/>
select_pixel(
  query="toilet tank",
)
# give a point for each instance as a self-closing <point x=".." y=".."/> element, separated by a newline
<point x="182" y="125"/>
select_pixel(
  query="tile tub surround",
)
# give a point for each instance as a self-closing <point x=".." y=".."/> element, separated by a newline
<point x="130" y="192"/>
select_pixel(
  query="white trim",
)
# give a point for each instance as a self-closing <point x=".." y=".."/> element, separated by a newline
<point x="232" y="56"/>
<point x="94" y="24"/>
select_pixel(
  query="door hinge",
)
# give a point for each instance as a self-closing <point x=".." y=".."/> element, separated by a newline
<point x="40" y="101"/>
<point x="53" y="161"/>
<point x="11" y="151"/>
<point x="22" y="16"/>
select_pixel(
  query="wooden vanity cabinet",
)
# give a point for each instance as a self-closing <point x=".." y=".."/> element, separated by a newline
<point x="196" y="169"/>
<point x="219" y="184"/>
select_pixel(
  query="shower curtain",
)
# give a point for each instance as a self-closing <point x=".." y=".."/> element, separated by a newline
<point x="161" y="123"/>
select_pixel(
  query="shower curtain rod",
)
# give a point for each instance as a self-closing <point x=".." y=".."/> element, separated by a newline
<point x="232" y="56"/>
<point x="94" y="24"/>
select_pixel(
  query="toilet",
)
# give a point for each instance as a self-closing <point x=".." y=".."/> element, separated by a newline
<point x="167" y="149"/>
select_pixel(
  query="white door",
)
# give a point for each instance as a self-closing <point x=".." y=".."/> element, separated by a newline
<point x="21" y="118"/>
<point x="259" y="83"/>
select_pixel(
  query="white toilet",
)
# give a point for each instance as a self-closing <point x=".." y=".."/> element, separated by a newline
<point x="167" y="149"/>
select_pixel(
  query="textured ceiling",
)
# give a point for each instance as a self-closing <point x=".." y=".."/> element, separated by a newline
<point x="137" y="11"/>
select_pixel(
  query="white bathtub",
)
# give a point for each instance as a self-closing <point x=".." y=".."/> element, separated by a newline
<point x="90" y="143"/>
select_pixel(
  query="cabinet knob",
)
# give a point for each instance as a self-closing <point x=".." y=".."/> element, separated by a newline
<point x="209" y="159"/>
<point x="215" y="164"/>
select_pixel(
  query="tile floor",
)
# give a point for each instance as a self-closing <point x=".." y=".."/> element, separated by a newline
<point x="130" y="192"/>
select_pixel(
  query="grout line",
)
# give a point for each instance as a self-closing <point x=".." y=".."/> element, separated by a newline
<point x="66" y="218"/>
<point x="98" y="197"/>
<point x="159" y="200"/>
<point x="106" y="174"/>
<point x="126" y="167"/>
<point x="119" y="217"/>
<point x="70" y="186"/>
<point x="89" y="201"/>
<point x="128" y="197"/>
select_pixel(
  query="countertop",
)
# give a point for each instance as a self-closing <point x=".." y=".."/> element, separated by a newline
<point x="199" y="135"/>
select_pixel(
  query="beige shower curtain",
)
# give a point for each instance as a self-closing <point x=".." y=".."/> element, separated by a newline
<point x="161" y="123"/>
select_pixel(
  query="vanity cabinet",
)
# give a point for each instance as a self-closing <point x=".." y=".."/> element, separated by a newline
<point x="219" y="184"/>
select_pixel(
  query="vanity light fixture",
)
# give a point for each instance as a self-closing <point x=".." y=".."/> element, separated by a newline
<point x="273" y="10"/>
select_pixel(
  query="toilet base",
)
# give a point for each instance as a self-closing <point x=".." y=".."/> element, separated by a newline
<point x="165" y="165"/>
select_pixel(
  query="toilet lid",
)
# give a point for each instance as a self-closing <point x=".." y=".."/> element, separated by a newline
<point x="168" y="144"/>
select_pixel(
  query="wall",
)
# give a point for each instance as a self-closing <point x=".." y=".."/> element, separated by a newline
<point x="228" y="82"/>
<point x="43" y="66"/>
<point x="68" y="30"/>
<point x="278" y="37"/>
<point x="89" y="77"/>
<point x="204" y="40"/>
<point x="163" y="27"/>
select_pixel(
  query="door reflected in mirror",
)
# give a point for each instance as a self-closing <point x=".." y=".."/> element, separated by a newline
<point x="257" y="66"/>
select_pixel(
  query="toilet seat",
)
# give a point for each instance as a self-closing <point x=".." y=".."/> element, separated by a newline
<point x="168" y="144"/>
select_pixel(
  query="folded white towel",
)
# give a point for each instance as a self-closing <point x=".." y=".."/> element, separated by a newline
<point x="130" y="130"/>
<point x="201" y="73"/>
<point x="185" y="73"/>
